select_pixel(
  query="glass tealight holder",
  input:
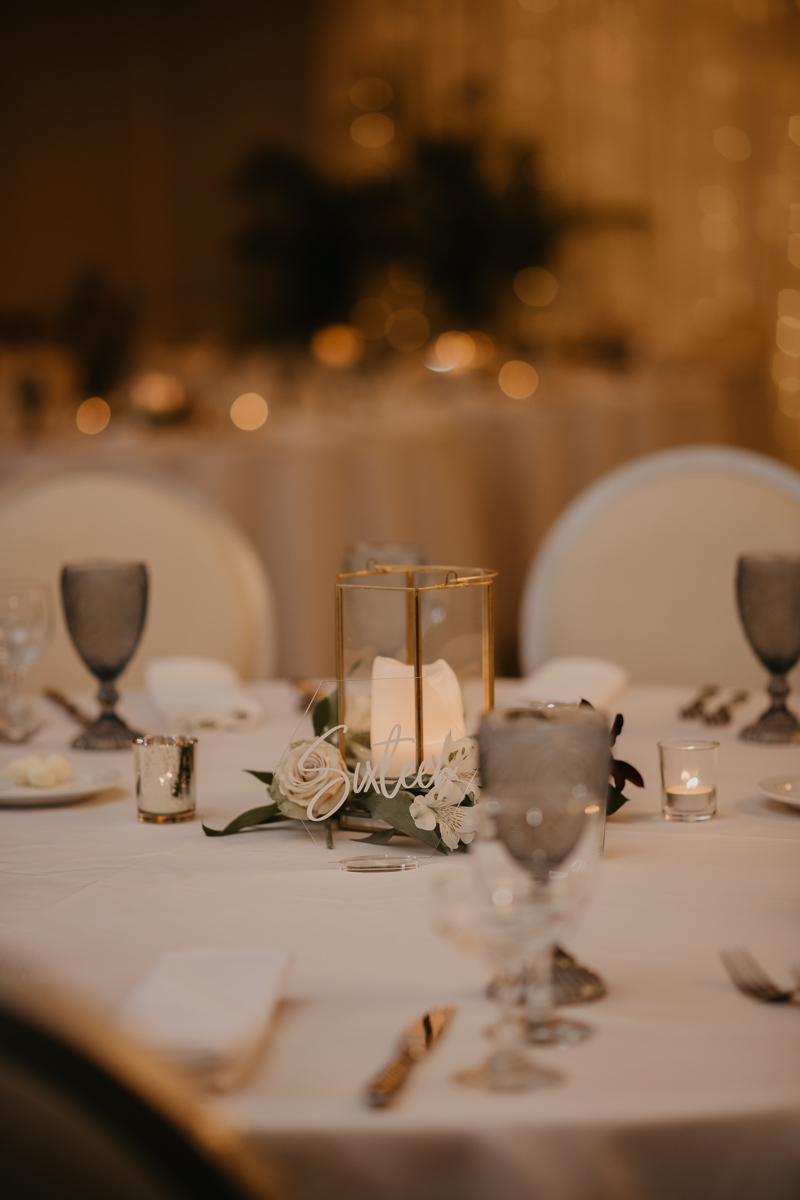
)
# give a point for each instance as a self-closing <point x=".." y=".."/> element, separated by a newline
<point x="688" y="779"/>
<point x="165" y="778"/>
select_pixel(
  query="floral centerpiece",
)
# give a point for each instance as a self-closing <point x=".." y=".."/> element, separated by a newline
<point x="314" y="782"/>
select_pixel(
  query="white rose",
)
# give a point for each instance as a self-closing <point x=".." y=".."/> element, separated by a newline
<point x="311" y="778"/>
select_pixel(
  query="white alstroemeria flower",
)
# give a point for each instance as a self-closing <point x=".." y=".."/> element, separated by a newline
<point x="442" y="805"/>
<point x="458" y="762"/>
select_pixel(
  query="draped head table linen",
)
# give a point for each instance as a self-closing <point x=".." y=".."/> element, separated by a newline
<point x="687" y="1090"/>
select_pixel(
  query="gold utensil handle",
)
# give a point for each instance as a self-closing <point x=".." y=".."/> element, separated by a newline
<point x="384" y="1087"/>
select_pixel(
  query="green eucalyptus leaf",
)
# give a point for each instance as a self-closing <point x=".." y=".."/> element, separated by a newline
<point x="264" y="776"/>
<point x="395" y="812"/>
<point x="267" y="814"/>
<point x="381" y="837"/>
<point x="326" y="713"/>
<point x="614" y="800"/>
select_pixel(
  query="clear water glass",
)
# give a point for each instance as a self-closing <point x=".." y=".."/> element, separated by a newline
<point x="26" y="626"/>
<point x="492" y="910"/>
<point x="688" y="779"/>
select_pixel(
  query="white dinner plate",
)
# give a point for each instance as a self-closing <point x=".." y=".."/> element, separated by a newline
<point x="782" y="787"/>
<point x="79" y="786"/>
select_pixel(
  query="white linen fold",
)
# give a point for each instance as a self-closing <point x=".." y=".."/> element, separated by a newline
<point x="572" y="679"/>
<point x="208" y="1011"/>
<point x="192" y="693"/>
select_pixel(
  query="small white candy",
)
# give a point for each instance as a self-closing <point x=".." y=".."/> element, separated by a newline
<point x="60" y="766"/>
<point x="17" y="770"/>
<point x="43" y="776"/>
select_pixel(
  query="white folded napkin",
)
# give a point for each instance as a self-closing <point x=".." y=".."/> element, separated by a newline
<point x="192" y="693"/>
<point x="571" y="680"/>
<point x="208" y="1011"/>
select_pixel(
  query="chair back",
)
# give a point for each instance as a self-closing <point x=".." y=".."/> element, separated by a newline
<point x="87" y="1115"/>
<point x="640" y="567"/>
<point x="209" y="592"/>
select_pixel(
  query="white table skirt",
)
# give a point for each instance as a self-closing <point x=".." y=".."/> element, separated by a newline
<point x="688" y="1090"/>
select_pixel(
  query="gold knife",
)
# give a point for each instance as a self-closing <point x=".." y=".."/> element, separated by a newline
<point x="414" y="1045"/>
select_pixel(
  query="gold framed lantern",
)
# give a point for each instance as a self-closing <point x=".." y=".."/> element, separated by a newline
<point x="415" y="664"/>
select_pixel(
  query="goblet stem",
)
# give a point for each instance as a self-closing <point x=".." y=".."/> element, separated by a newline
<point x="107" y="696"/>
<point x="777" y="723"/>
<point x="543" y="1027"/>
<point x="10" y="714"/>
<point x="109" y="731"/>
<point x="507" y="1069"/>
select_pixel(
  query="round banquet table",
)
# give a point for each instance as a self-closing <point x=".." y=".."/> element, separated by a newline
<point x="688" y="1089"/>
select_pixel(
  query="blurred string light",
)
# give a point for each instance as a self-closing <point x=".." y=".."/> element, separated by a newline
<point x="158" y="394"/>
<point x="732" y="143"/>
<point x="93" y="415"/>
<point x="249" y="411"/>
<point x="455" y="350"/>
<point x="371" y="94"/>
<point x="337" y="345"/>
<point x="536" y="286"/>
<point x="518" y="379"/>
<point x="372" y="130"/>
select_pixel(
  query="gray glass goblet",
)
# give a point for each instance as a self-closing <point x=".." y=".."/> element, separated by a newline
<point x="105" y="604"/>
<point x="768" y="594"/>
<point x="544" y="779"/>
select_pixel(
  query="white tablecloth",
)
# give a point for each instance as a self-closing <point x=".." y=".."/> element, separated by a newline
<point x="688" y="1091"/>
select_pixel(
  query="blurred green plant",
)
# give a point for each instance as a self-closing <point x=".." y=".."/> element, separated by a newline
<point x="310" y="248"/>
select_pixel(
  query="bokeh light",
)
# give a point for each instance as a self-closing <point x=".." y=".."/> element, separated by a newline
<point x="536" y="286"/>
<point x="732" y="143"/>
<point x="719" y="233"/>
<point x="454" y="349"/>
<point x="249" y="411"/>
<point x="337" y="345"/>
<point x="368" y="316"/>
<point x="789" y="302"/>
<point x="158" y="394"/>
<point x="717" y="201"/>
<point x="407" y="329"/>
<point x="787" y="336"/>
<point x="371" y="94"/>
<point x="372" y="130"/>
<point x="93" y="415"/>
<point x="518" y="379"/>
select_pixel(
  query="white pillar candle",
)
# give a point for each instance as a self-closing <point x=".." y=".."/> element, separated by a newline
<point x="393" y="704"/>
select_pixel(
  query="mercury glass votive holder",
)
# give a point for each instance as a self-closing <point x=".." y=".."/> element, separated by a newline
<point x="165" y="769"/>
<point x="688" y="779"/>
